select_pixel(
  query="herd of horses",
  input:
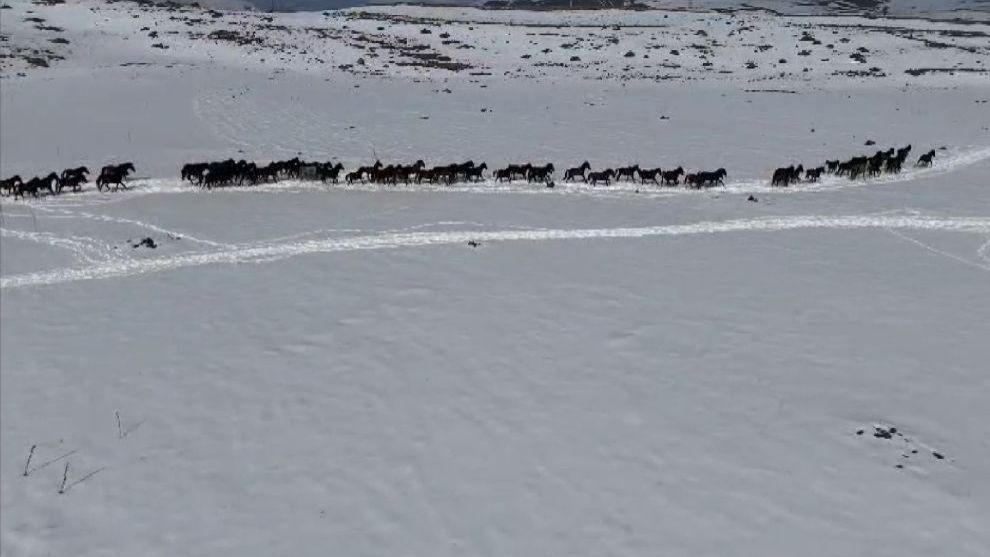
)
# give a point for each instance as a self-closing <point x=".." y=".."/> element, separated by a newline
<point x="890" y="161"/>
<point x="230" y="172"/>
<point x="114" y="175"/>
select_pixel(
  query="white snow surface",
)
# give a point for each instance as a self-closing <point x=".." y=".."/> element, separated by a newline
<point x="308" y="369"/>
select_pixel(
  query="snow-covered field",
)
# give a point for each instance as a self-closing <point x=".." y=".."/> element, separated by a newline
<point x="308" y="369"/>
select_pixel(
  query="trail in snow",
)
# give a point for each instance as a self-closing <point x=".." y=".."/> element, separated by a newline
<point x="417" y="239"/>
<point x="943" y="253"/>
<point x="946" y="164"/>
<point x="88" y="250"/>
<point x="142" y="224"/>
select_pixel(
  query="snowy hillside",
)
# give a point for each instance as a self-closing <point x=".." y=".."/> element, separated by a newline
<point x="493" y="368"/>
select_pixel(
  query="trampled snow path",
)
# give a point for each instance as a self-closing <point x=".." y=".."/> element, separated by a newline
<point x="945" y="163"/>
<point x="283" y="250"/>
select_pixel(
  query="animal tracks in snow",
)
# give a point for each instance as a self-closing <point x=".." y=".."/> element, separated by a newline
<point x="947" y="163"/>
<point x="272" y="251"/>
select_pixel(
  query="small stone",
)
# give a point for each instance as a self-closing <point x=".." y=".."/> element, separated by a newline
<point x="938" y="455"/>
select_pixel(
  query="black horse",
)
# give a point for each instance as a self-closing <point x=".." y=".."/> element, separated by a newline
<point x="814" y="174"/>
<point x="603" y="176"/>
<point x="476" y="173"/>
<point x="671" y="176"/>
<point x="194" y="172"/>
<point x="710" y="179"/>
<point x="114" y="174"/>
<point x="627" y="171"/>
<point x="330" y="172"/>
<point x="35" y="184"/>
<point x="926" y="159"/>
<point x="74" y="180"/>
<point x="573" y="173"/>
<point x="784" y="176"/>
<point x="356" y="176"/>
<point x="11" y="184"/>
<point x="518" y="170"/>
<point x="649" y="175"/>
<point x="540" y="173"/>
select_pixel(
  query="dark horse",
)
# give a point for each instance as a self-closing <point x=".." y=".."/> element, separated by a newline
<point x="194" y="171"/>
<point x="671" y="176"/>
<point x="114" y="174"/>
<point x="329" y="172"/>
<point x="476" y="173"/>
<point x="11" y="184"/>
<point x="73" y="178"/>
<point x="573" y="173"/>
<point x="603" y="176"/>
<point x="649" y="175"/>
<point x="784" y="176"/>
<point x="814" y="174"/>
<point x="926" y="159"/>
<point x="34" y="184"/>
<point x="709" y="179"/>
<point x="540" y="173"/>
<point x="627" y="171"/>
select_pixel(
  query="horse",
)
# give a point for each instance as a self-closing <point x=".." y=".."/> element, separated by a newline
<point x="405" y="172"/>
<point x="72" y="180"/>
<point x="894" y="165"/>
<point x="193" y="171"/>
<point x="476" y="173"/>
<point x="79" y="170"/>
<point x="11" y="184"/>
<point x="784" y="176"/>
<point x="629" y="171"/>
<point x="710" y="179"/>
<point x="34" y="184"/>
<point x="814" y="174"/>
<point x="369" y="170"/>
<point x="330" y="172"/>
<point x="540" y="173"/>
<point x="503" y="174"/>
<point x="926" y="159"/>
<point x="464" y="169"/>
<point x="573" y="173"/>
<point x="876" y="164"/>
<point x="520" y="170"/>
<point x="268" y="173"/>
<point x="832" y="166"/>
<point x="671" y="176"/>
<point x="114" y="174"/>
<point x="649" y="175"/>
<point x="356" y="176"/>
<point x="902" y="153"/>
<point x="603" y="176"/>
